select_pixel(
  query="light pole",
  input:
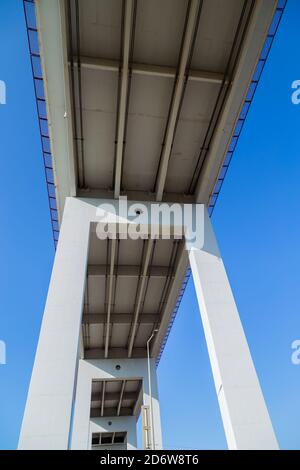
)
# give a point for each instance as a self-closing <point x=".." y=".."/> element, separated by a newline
<point x="150" y="390"/>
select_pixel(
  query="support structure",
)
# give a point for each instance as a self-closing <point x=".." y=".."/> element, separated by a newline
<point x="112" y="371"/>
<point x="186" y="54"/>
<point x="244" y="413"/>
<point x="59" y="375"/>
<point x="124" y="91"/>
<point x="81" y="394"/>
<point x="48" y="413"/>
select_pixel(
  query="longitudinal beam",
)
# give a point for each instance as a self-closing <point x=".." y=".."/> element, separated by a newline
<point x="169" y="305"/>
<point x="121" y="398"/>
<point x="103" y="398"/>
<point x="253" y="42"/>
<point x="127" y="28"/>
<point x="111" y="65"/>
<point x="140" y="293"/>
<point x="177" y="96"/>
<point x="110" y="293"/>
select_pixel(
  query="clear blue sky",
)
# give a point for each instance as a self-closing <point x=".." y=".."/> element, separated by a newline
<point x="258" y="228"/>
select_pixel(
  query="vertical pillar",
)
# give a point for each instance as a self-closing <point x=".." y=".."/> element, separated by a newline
<point x="105" y="369"/>
<point x="48" y="412"/>
<point x="153" y="402"/>
<point x="245" y="416"/>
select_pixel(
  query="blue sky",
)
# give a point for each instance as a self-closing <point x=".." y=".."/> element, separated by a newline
<point x="258" y="228"/>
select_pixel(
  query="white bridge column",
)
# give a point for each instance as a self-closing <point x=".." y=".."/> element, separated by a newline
<point x="113" y="369"/>
<point x="245" y="416"/>
<point x="48" y="412"/>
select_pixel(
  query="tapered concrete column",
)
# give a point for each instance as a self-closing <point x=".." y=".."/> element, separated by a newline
<point x="47" y="418"/>
<point x="245" y="416"/>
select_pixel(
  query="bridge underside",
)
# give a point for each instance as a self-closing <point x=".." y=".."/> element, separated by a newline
<point x="115" y="284"/>
<point x="150" y="81"/>
<point x="143" y="98"/>
<point x="149" y="93"/>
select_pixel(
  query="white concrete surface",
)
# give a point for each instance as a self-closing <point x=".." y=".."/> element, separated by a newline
<point x="244" y="413"/>
<point x="120" y="424"/>
<point x="48" y="411"/>
<point x="105" y="369"/>
<point x="53" y="49"/>
<point x="55" y="419"/>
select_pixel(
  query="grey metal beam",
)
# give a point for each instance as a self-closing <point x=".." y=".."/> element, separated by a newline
<point x="110" y="65"/>
<point x="103" y="398"/>
<point x="177" y="97"/>
<point x="257" y="30"/>
<point x="168" y="309"/>
<point x="127" y="28"/>
<point x="139" y="400"/>
<point x="140" y="293"/>
<point x="110" y="293"/>
<point x="121" y="397"/>
<point x="120" y="318"/>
